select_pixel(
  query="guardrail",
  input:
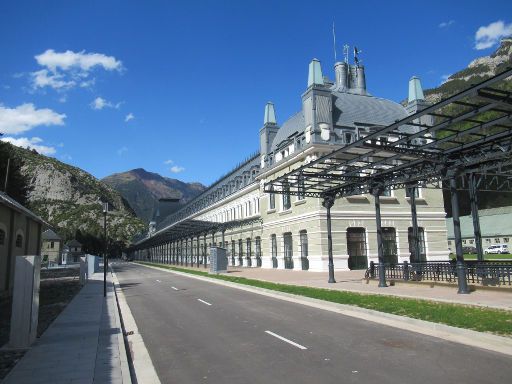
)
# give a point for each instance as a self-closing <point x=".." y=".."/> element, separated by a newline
<point x="491" y="273"/>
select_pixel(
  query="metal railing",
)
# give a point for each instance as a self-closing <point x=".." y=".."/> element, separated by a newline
<point x="491" y="273"/>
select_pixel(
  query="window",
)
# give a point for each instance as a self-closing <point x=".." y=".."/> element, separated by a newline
<point x="52" y="245"/>
<point x="288" y="250"/>
<point x="271" y="199"/>
<point x="286" y="198"/>
<point x="258" y="250"/>
<point x="273" y="246"/>
<point x="471" y="241"/>
<point x="304" y="249"/>
<point x="449" y="242"/>
<point x="240" y="251"/>
<point x="389" y="245"/>
<point x="348" y="138"/>
<point x="487" y="240"/>
<point x="2" y="237"/>
<point x="19" y="241"/>
<point x="249" y="251"/>
<point x="302" y="188"/>
<point x="497" y="240"/>
<point x="464" y="241"/>
<point x="505" y="240"/>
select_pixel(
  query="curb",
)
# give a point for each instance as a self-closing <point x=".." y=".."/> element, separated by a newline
<point x="143" y="368"/>
<point x="468" y="337"/>
<point x="123" y="356"/>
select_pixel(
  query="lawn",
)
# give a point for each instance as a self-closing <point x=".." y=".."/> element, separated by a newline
<point x="470" y="317"/>
<point x="472" y="256"/>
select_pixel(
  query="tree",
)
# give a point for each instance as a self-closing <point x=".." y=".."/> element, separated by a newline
<point x="17" y="184"/>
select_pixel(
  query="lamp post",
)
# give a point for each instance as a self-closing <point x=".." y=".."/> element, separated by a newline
<point x="105" y="256"/>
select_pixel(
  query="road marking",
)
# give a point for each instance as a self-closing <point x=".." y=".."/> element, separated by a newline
<point x="286" y="340"/>
<point x="204" y="302"/>
<point x="158" y="281"/>
<point x="176" y="289"/>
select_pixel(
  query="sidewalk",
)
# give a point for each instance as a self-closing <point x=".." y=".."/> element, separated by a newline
<point x="353" y="281"/>
<point x="83" y="345"/>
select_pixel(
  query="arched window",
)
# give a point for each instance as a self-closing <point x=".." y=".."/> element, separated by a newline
<point x="304" y="250"/>
<point x="19" y="241"/>
<point x="271" y="199"/>
<point x="273" y="247"/>
<point x="2" y="237"/>
<point x="288" y="250"/>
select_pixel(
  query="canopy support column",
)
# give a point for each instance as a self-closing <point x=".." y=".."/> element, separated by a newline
<point x="473" y="198"/>
<point x="461" y="267"/>
<point x="328" y="203"/>
<point x="380" y="246"/>
<point x="415" y="255"/>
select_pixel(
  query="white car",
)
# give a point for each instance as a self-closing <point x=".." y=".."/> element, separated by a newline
<point x="496" y="249"/>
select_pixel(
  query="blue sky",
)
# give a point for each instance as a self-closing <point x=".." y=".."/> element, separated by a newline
<point x="179" y="88"/>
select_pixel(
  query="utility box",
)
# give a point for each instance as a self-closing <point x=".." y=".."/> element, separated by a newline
<point x="93" y="265"/>
<point x="83" y="270"/>
<point x="25" y="301"/>
<point x="218" y="260"/>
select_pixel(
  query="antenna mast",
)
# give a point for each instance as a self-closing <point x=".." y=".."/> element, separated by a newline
<point x="345" y="52"/>
<point x="334" y="42"/>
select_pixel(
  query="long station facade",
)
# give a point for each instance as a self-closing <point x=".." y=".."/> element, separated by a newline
<point x="278" y="230"/>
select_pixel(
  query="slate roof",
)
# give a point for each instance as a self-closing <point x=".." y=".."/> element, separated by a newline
<point x="495" y="222"/>
<point x="50" y="235"/>
<point x="350" y="110"/>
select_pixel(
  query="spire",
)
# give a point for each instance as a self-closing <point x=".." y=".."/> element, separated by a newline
<point x="315" y="73"/>
<point x="415" y="90"/>
<point x="270" y="114"/>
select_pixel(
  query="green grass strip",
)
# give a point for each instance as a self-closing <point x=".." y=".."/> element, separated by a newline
<point x="480" y="319"/>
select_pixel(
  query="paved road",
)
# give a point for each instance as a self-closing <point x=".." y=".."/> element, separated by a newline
<point x="200" y="332"/>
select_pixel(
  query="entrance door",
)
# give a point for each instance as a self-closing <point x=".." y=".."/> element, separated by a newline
<point x="288" y="251"/>
<point x="356" y="248"/>
<point x="389" y="245"/>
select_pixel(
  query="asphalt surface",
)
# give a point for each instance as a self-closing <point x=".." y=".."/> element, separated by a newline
<point x="198" y="332"/>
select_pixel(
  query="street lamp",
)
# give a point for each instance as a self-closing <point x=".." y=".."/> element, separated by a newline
<point x="105" y="256"/>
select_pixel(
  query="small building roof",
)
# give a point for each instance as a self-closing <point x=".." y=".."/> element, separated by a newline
<point x="494" y="222"/>
<point x="50" y="235"/>
<point x="74" y="243"/>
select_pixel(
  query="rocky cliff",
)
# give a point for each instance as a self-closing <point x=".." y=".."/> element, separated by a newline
<point x="70" y="199"/>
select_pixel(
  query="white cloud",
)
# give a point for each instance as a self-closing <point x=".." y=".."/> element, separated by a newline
<point x="168" y="162"/>
<point x="122" y="150"/>
<point x="44" y="78"/>
<point x="487" y="36"/>
<point x="129" y="117"/>
<point x="64" y="70"/>
<point x="78" y="60"/>
<point x="24" y="117"/>
<point x="177" y="169"/>
<point x="100" y="103"/>
<point x="33" y="143"/>
<point x="446" y="24"/>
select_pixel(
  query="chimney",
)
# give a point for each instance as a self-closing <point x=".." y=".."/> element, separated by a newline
<point x="270" y="114"/>
<point x="341" y="71"/>
<point x="360" y="80"/>
<point x="315" y="76"/>
<point x="415" y="90"/>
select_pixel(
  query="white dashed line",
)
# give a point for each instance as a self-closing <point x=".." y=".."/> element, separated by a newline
<point x="158" y="281"/>
<point x="286" y="340"/>
<point x="176" y="289"/>
<point x="204" y="302"/>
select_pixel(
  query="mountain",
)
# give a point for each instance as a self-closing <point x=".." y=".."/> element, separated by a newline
<point x="70" y="199"/>
<point x="142" y="189"/>
<point x="478" y="70"/>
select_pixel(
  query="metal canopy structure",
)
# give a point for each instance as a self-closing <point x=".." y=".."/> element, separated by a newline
<point x="188" y="229"/>
<point x="470" y="132"/>
<point x="462" y="141"/>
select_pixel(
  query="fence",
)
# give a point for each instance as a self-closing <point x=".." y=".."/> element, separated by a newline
<point x="493" y="273"/>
